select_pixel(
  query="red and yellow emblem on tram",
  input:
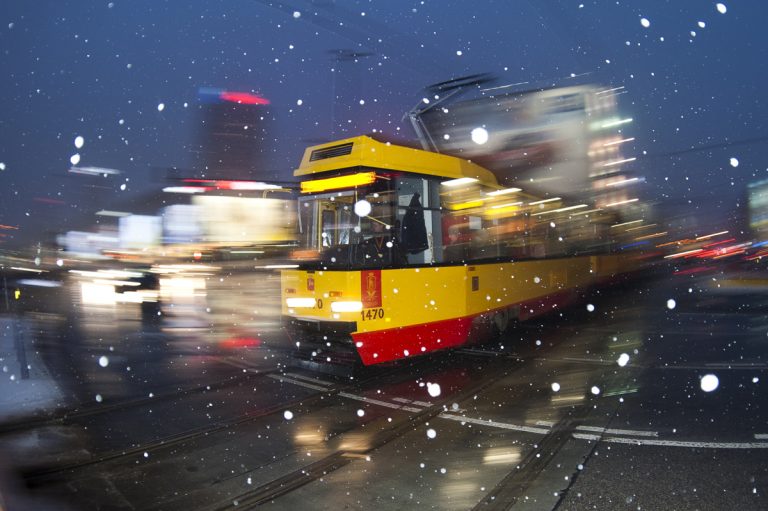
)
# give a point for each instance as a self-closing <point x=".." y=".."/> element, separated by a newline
<point x="370" y="288"/>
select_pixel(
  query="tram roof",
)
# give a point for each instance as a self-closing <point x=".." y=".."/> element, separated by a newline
<point x="363" y="151"/>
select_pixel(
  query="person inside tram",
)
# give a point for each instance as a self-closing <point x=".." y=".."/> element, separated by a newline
<point x="381" y="247"/>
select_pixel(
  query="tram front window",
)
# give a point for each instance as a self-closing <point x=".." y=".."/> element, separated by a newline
<point x="346" y="236"/>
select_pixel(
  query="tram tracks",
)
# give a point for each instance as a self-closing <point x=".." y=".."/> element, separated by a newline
<point x="71" y="414"/>
<point x="36" y="476"/>
<point x="385" y="434"/>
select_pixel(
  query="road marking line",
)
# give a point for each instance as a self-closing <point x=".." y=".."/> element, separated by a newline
<point x="626" y="432"/>
<point x="401" y="400"/>
<point x="673" y="443"/>
<point x="502" y="425"/>
<point x="378" y="402"/>
<point x="296" y="382"/>
<point x="421" y="403"/>
<point x="548" y="424"/>
<point x="761" y="436"/>
<point x="310" y="380"/>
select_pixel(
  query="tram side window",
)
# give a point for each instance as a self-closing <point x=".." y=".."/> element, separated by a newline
<point x="417" y="220"/>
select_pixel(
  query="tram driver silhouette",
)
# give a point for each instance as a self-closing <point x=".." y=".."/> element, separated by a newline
<point x="381" y="248"/>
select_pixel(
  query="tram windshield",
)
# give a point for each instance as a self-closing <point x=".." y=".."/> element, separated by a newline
<point x="353" y="228"/>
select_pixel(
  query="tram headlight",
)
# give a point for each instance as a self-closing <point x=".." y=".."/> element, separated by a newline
<point x="351" y="306"/>
<point x="300" y="303"/>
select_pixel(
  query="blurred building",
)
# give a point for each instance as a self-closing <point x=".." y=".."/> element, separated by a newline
<point x="234" y="136"/>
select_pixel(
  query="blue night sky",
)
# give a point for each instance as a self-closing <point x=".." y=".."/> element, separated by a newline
<point x="100" y="69"/>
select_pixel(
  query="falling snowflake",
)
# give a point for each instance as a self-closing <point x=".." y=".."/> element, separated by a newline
<point x="734" y="162"/>
<point x="623" y="359"/>
<point x="288" y="415"/>
<point x="645" y="23"/>
<point x="590" y="307"/>
<point x="721" y="8"/>
<point x="103" y="361"/>
<point x="709" y="382"/>
<point x="433" y="389"/>
<point x="555" y="387"/>
<point x="161" y="107"/>
<point x="431" y="433"/>
<point x="671" y="304"/>
<point x="79" y="141"/>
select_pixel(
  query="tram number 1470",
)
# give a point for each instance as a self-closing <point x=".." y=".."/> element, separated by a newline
<point x="371" y="314"/>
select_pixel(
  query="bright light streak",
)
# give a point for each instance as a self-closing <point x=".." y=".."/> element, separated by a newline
<point x="94" y="171"/>
<point x="627" y="223"/>
<point x="33" y="270"/>
<point x="617" y="122"/>
<point x="651" y="236"/>
<point x="458" y="182"/>
<point x="553" y="199"/>
<point x="606" y="91"/>
<point x="641" y="227"/>
<point x="185" y="189"/>
<point x="100" y="274"/>
<point x="618" y="162"/>
<point x="352" y="306"/>
<point x="301" y="303"/>
<point x="617" y="142"/>
<point x="503" y="192"/>
<point x="707" y="236"/>
<point x="588" y="211"/>
<point x="116" y="282"/>
<point x="621" y="202"/>
<point x="683" y="254"/>
<point x="107" y="212"/>
<point x="279" y="266"/>
<point x="624" y="181"/>
<point x="39" y="283"/>
<point x="562" y="210"/>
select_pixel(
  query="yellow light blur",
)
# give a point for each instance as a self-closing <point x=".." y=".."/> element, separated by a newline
<point x="333" y="183"/>
<point x="466" y="205"/>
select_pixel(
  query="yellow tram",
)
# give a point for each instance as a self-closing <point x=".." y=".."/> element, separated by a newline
<point x="406" y="251"/>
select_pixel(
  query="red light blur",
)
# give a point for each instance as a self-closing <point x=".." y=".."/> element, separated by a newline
<point x="240" y="342"/>
<point x="244" y="98"/>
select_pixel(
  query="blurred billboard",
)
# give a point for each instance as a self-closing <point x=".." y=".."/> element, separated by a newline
<point x="542" y="141"/>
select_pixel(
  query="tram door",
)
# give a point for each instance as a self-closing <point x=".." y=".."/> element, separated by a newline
<point x="418" y="215"/>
